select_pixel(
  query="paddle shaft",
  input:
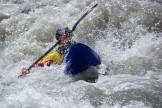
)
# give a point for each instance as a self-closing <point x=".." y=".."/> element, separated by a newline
<point x="40" y="58"/>
<point x="83" y="17"/>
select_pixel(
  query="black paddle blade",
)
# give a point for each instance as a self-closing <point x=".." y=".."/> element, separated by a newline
<point x="83" y="17"/>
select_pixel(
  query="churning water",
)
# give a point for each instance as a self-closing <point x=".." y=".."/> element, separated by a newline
<point x="126" y="33"/>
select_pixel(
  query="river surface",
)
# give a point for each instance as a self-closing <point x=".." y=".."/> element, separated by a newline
<point x="127" y="34"/>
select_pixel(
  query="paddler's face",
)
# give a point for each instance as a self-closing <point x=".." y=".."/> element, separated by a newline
<point x="63" y="39"/>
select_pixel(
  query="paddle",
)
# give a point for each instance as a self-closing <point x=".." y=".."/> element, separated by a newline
<point x="83" y="17"/>
<point x="40" y="58"/>
<point x="27" y="70"/>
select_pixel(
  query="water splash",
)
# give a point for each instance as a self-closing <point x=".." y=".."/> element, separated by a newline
<point x="126" y="33"/>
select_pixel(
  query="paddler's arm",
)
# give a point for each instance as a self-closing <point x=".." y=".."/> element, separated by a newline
<point x="54" y="58"/>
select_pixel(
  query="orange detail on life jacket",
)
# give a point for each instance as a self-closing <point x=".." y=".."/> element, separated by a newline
<point x="41" y="64"/>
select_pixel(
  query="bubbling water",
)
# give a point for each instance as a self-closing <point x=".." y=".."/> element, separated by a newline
<point x="125" y="33"/>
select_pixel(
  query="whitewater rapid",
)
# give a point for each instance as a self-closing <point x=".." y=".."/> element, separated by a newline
<point x="127" y="34"/>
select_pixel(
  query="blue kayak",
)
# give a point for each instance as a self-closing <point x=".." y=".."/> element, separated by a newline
<point x="79" y="58"/>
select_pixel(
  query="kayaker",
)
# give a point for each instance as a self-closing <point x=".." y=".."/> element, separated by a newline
<point x="81" y="61"/>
